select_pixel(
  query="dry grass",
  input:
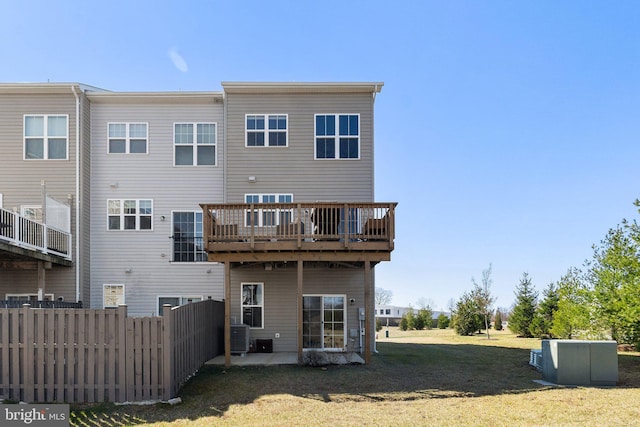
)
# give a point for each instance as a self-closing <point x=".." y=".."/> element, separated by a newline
<point x="418" y="378"/>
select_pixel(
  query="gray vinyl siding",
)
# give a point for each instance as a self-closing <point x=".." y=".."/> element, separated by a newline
<point x="20" y="180"/>
<point x="280" y="299"/>
<point x="150" y="176"/>
<point x="293" y="169"/>
<point x="85" y="202"/>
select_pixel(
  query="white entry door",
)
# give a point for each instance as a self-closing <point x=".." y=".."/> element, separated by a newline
<point x="323" y="322"/>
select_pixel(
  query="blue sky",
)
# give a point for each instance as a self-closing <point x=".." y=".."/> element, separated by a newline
<point x="507" y="131"/>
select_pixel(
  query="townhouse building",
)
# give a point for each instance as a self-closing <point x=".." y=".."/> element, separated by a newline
<point x="261" y="195"/>
<point x="155" y="158"/>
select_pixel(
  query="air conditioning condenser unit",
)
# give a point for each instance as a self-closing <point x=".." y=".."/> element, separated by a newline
<point x="239" y="338"/>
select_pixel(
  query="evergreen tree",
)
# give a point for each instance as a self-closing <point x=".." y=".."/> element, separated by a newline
<point x="573" y="316"/>
<point x="525" y="307"/>
<point x="467" y="315"/>
<point x="443" y="321"/>
<point x="410" y="319"/>
<point x="543" y="319"/>
<point x="615" y="274"/>
<point x="497" y="323"/>
<point x="426" y="316"/>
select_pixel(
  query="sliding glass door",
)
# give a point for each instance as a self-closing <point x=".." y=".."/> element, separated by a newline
<point x="323" y="322"/>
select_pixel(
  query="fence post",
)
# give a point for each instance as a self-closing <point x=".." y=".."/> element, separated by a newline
<point x="27" y="355"/>
<point x="122" y="352"/>
<point x="167" y="352"/>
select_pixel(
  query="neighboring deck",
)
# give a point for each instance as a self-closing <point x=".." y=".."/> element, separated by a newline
<point x="320" y="231"/>
<point x="22" y="239"/>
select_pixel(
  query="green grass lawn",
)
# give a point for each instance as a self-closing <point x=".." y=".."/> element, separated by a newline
<point x="417" y="378"/>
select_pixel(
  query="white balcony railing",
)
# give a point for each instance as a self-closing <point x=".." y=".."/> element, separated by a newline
<point x="26" y="233"/>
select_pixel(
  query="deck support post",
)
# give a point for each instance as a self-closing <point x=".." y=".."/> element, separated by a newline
<point x="41" y="280"/>
<point x="227" y="314"/>
<point x="299" y="293"/>
<point x="368" y="311"/>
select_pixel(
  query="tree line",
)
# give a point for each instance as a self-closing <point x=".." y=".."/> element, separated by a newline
<point x="599" y="301"/>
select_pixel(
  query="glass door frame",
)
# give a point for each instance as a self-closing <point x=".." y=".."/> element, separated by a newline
<point x="324" y="324"/>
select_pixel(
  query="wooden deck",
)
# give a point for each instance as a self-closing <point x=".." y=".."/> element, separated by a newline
<point x="320" y="231"/>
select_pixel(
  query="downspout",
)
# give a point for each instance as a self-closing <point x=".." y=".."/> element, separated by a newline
<point x="373" y="189"/>
<point x="78" y="198"/>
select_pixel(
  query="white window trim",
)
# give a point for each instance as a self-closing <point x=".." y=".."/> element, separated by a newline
<point x="266" y="131"/>
<point x="127" y="138"/>
<point x="0" y="200"/>
<point x="172" y="241"/>
<point x="337" y="137"/>
<point x="122" y="215"/>
<point x="242" y="306"/>
<point x="45" y="137"/>
<point x="344" y="316"/>
<point x="195" y="144"/>
<point x="121" y="286"/>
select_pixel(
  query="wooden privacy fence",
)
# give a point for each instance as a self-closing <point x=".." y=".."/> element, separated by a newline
<point x="88" y="355"/>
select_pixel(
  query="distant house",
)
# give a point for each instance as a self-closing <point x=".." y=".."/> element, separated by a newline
<point x="391" y="314"/>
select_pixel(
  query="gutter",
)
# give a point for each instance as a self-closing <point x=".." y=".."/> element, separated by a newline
<point x="78" y="198"/>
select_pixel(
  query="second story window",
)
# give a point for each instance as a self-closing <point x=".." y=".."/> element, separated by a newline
<point x="129" y="214"/>
<point x="337" y="136"/>
<point x="268" y="130"/>
<point x="129" y="138"/>
<point x="46" y="137"/>
<point x="195" y="144"/>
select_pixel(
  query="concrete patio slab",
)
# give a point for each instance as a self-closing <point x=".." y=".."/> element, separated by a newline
<point x="282" y="358"/>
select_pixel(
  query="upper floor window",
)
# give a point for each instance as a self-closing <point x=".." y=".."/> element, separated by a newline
<point x="337" y="136"/>
<point x="195" y="144"/>
<point x="128" y="138"/>
<point x="187" y="237"/>
<point x="129" y="214"/>
<point x="46" y="137"/>
<point x="266" y="130"/>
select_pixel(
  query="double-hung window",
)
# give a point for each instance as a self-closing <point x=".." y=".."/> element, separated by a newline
<point x="112" y="295"/>
<point x="337" y="136"/>
<point x="253" y="304"/>
<point x="129" y="214"/>
<point x="266" y="130"/>
<point x="129" y="138"/>
<point x="187" y="237"/>
<point x="271" y="215"/>
<point x="194" y="144"/>
<point x="46" y="137"/>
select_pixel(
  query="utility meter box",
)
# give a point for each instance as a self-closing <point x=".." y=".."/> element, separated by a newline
<point x="578" y="362"/>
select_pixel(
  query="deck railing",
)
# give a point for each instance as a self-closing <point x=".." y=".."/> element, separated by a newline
<point x="24" y="232"/>
<point x="305" y="223"/>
